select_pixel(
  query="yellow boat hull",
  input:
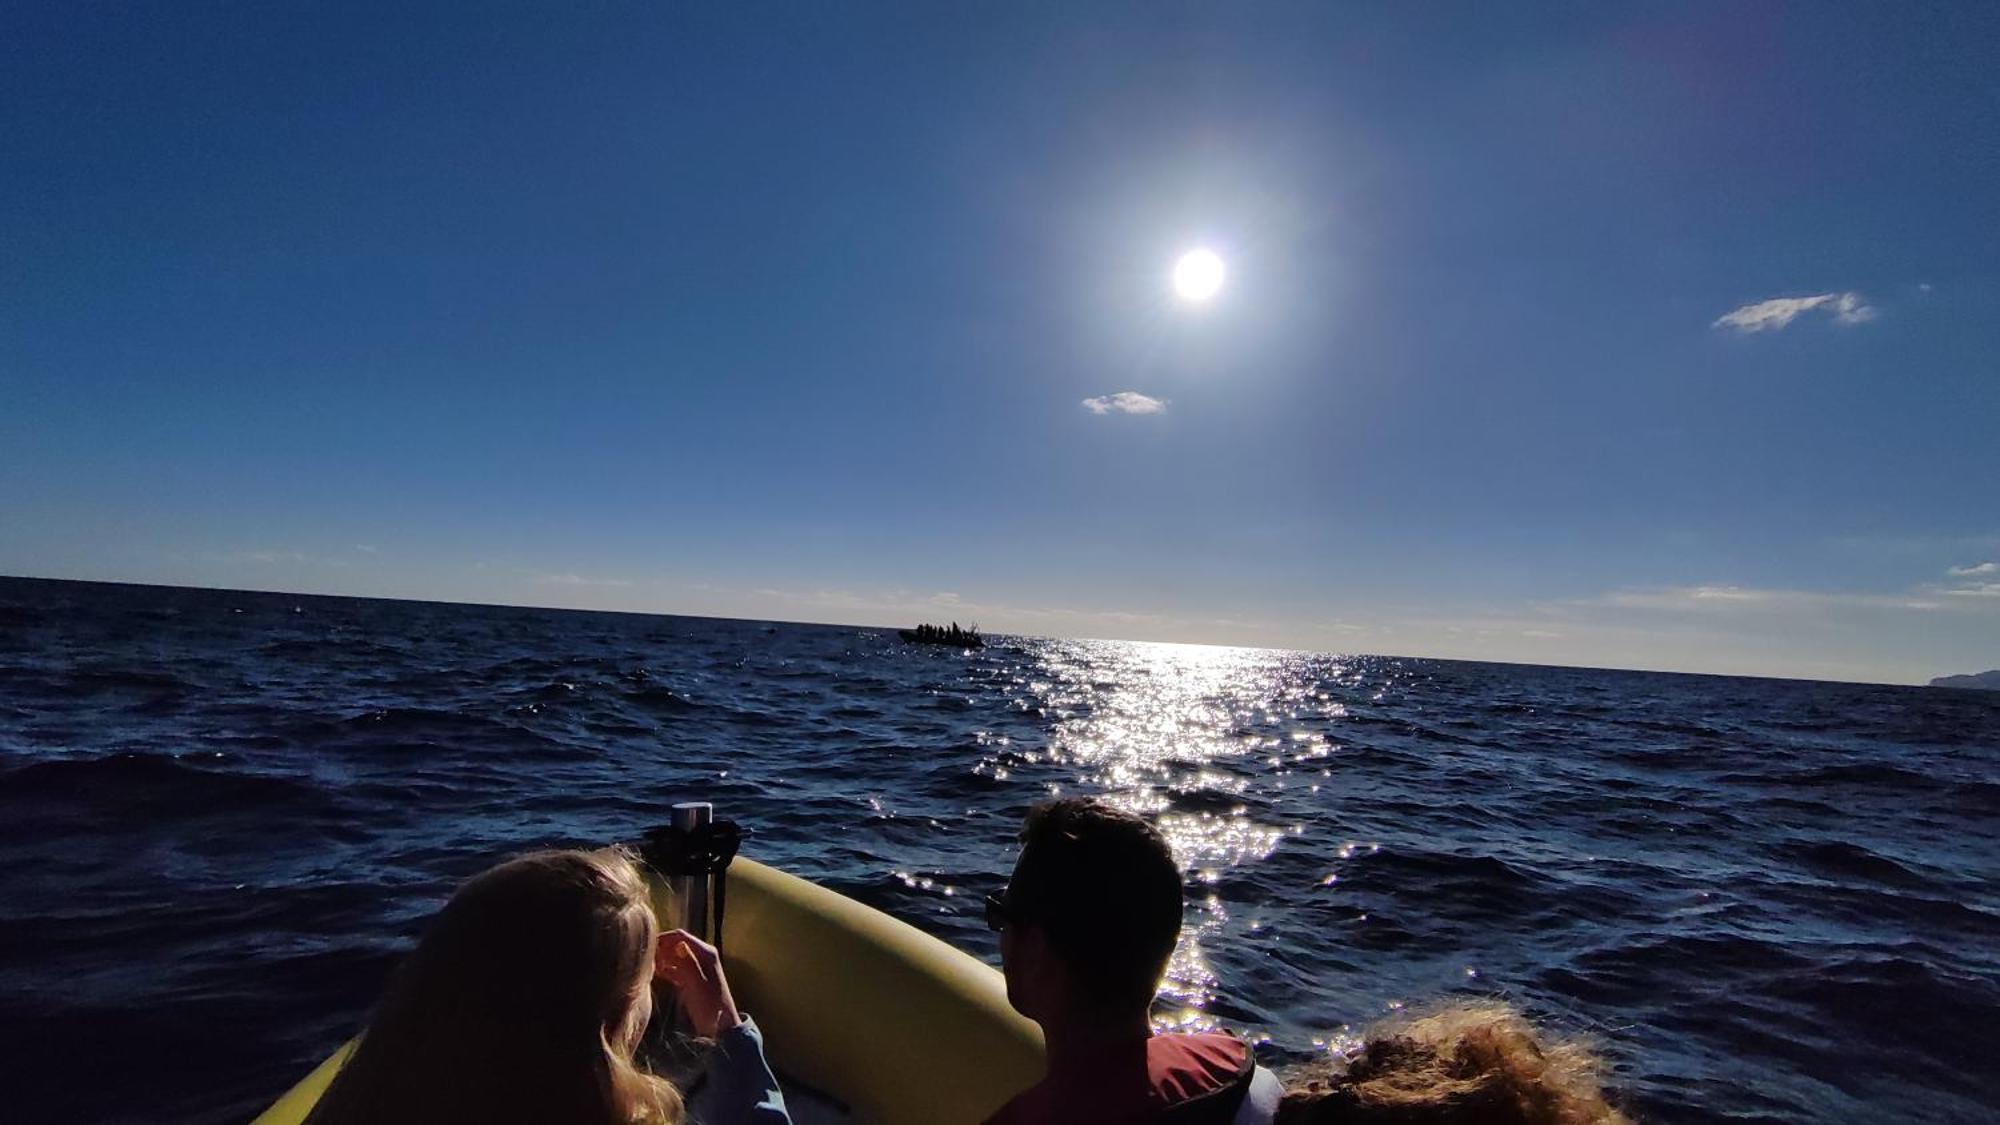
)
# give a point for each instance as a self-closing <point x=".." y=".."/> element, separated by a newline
<point x="900" y="1027"/>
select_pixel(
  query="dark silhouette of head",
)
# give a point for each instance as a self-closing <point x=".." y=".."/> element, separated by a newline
<point x="1091" y="915"/>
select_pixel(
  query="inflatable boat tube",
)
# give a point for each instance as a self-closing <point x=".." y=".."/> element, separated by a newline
<point x="898" y="1026"/>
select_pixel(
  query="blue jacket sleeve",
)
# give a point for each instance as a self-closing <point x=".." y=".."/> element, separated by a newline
<point x="741" y="1090"/>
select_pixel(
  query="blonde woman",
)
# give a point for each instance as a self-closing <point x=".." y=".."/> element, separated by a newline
<point x="1467" y="1064"/>
<point x="525" y="1001"/>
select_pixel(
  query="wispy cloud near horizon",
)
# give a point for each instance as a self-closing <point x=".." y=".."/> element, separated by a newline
<point x="1979" y="580"/>
<point x="1125" y="402"/>
<point x="1718" y="598"/>
<point x="1779" y="312"/>
<point x="580" y="580"/>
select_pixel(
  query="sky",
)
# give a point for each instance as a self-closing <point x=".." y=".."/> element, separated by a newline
<point x="1654" y="336"/>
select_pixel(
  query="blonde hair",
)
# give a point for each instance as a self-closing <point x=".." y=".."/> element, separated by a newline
<point x="515" y="1006"/>
<point x="1476" y="1062"/>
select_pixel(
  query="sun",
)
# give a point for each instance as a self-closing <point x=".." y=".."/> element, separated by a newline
<point x="1198" y="275"/>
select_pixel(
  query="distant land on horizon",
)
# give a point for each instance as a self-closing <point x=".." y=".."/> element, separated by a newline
<point x="1984" y="679"/>
<point x="1977" y="681"/>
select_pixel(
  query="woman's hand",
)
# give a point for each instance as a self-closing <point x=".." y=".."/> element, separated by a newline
<point x="694" y="968"/>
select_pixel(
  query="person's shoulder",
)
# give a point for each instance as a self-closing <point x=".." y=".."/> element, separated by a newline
<point x="1189" y="1065"/>
<point x="1207" y="1044"/>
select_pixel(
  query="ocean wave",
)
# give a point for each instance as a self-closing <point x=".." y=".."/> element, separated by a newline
<point x="153" y="782"/>
<point x="1843" y="860"/>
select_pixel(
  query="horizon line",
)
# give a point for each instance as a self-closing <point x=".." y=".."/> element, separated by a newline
<point x="1032" y="636"/>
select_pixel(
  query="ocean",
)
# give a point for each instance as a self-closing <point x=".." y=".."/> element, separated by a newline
<point x="223" y="816"/>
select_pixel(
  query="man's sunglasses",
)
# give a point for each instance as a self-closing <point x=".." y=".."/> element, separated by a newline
<point x="996" y="912"/>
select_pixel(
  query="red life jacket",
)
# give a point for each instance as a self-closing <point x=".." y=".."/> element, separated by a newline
<point x="1165" y="1080"/>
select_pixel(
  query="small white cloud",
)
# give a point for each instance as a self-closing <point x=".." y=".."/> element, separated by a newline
<point x="1125" y="402"/>
<point x="1851" y="309"/>
<point x="367" y="548"/>
<point x="1729" y="594"/>
<point x="1776" y="313"/>
<point x="1975" y="580"/>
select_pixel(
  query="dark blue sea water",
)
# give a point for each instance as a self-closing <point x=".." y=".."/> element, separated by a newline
<point x="222" y="816"/>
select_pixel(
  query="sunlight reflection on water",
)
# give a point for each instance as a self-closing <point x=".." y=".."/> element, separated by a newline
<point x="1169" y="732"/>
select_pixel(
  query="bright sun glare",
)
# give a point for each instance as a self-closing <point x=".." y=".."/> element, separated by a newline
<point x="1198" y="275"/>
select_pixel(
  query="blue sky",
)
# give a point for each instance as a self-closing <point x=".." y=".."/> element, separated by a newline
<point x="777" y="311"/>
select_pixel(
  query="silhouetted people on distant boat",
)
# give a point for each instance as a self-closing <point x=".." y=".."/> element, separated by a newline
<point x="1476" y="1063"/>
<point x="525" y="1001"/>
<point x="942" y="635"/>
<point x="1086" y="925"/>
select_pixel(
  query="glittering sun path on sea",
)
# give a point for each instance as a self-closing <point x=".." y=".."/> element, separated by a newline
<point x="1168" y="732"/>
<point x="224" y="816"/>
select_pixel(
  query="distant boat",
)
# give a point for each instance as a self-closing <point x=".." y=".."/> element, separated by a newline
<point x="950" y="635"/>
